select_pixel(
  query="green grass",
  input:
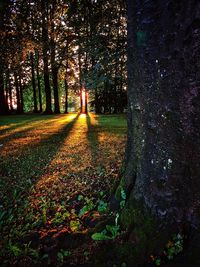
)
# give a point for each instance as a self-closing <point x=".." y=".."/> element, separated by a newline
<point x="46" y="164"/>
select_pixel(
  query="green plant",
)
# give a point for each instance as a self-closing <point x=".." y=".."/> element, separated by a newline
<point x="123" y="199"/>
<point x="158" y="262"/>
<point x="14" y="249"/>
<point x="62" y="254"/>
<point x="174" y="247"/>
<point x="111" y="231"/>
<point x="89" y="205"/>
<point x="102" y="207"/>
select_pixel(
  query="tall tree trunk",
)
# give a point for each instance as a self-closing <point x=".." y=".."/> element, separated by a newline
<point x="66" y="96"/>
<point x="54" y="66"/>
<point x="55" y="90"/>
<point x="80" y="76"/>
<point x="161" y="176"/>
<point x="3" y="18"/>
<point x="38" y="82"/>
<point x="33" y="82"/>
<point x="7" y="94"/>
<point x="10" y="91"/>
<point x="98" y="106"/>
<point x="105" y="97"/>
<point x="21" y="95"/>
<point x="86" y="102"/>
<point x="2" y="96"/>
<point x="17" y="93"/>
<point x="45" y="48"/>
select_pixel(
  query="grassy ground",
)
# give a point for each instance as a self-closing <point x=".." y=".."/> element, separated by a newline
<point x="57" y="173"/>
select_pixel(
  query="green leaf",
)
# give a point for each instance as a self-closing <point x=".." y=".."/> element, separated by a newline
<point x="100" y="237"/>
<point x="83" y="211"/>
<point x="123" y="194"/>
<point x="80" y="197"/>
<point x="102" y="207"/>
<point x="74" y="225"/>
<point x="158" y="262"/>
<point x="101" y="193"/>
<point x="122" y="204"/>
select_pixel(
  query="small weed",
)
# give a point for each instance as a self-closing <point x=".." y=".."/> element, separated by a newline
<point x="62" y="254"/>
<point x="123" y="199"/>
<point x="111" y="231"/>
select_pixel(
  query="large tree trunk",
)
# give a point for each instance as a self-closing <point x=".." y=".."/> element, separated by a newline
<point x="161" y="176"/>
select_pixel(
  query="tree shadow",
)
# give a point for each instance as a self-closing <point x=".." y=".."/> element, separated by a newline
<point x="30" y="124"/>
<point x="113" y="124"/>
<point x="30" y="162"/>
<point x="92" y="136"/>
<point x="19" y="121"/>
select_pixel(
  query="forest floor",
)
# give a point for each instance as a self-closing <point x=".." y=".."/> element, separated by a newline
<point x="57" y="174"/>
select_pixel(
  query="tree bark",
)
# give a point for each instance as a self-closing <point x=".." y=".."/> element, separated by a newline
<point x="161" y="171"/>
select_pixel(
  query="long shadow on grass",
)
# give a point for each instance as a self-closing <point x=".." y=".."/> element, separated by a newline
<point x="30" y="124"/>
<point x="16" y="184"/>
<point x="29" y="165"/>
<point x="13" y="122"/>
<point x="92" y="136"/>
<point x="113" y="124"/>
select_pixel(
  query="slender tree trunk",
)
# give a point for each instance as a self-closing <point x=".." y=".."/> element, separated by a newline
<point x="3" y="18"/>
<point x="33" y="82"/>
<point x="105" y="96"/>
<point x="80" y="76"/>
<point x="17" y="94"/>
<point x="54" y="66"/>
<point x="10" y="92"/>
<point x="66" y="96"/>
<point x="2" y="96"/>
<point x="86" y="102"/>
<point x="7" y="95"/>
<point x="45" y="47"/>
<point x="21" y="95"/>
<point x="55" y="90"/>
<point x="38" y="83"/>
<point x="98" y="105"/>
